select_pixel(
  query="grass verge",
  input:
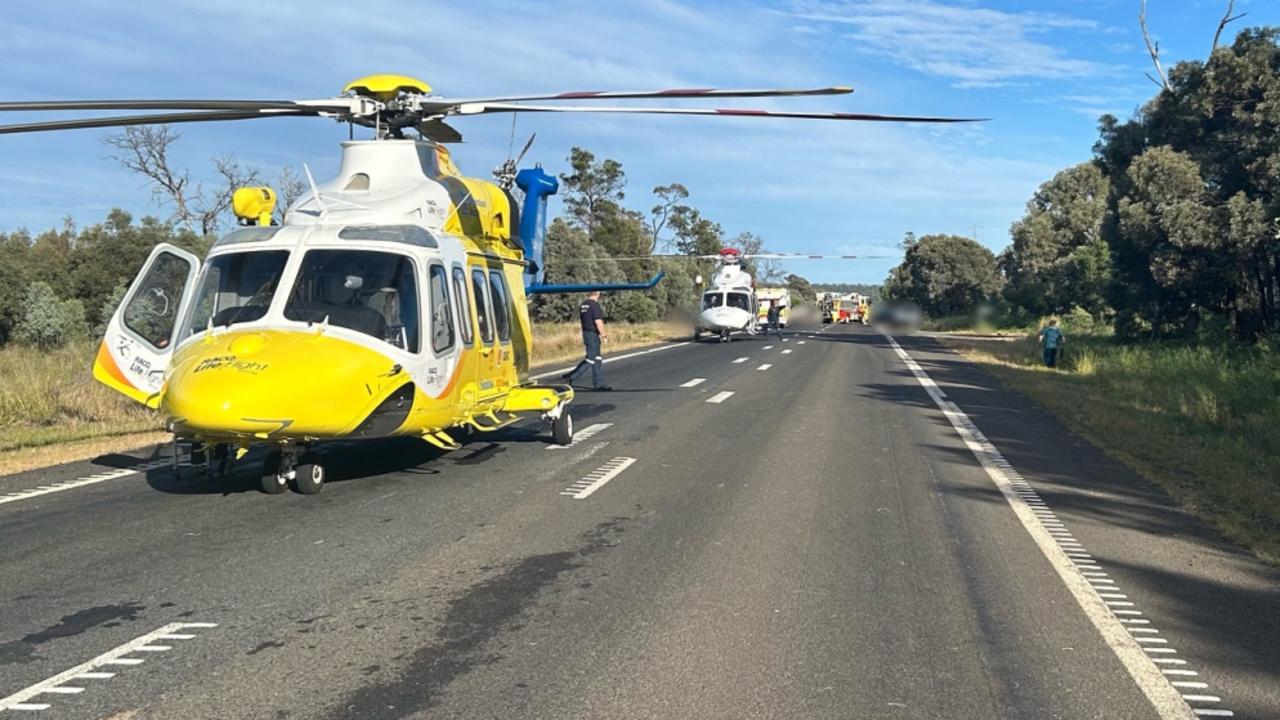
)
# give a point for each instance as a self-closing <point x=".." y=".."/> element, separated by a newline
<point x="562" y="342"/>
<point x="49" y="397"/>
<point x="52" y="410"/>
<point x="1201" y="422"/>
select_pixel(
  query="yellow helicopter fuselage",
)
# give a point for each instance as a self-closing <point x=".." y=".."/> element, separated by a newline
<point x="390" y="302"/>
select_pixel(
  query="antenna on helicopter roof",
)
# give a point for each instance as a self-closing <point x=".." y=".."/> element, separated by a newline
<point x="315" y="190"/>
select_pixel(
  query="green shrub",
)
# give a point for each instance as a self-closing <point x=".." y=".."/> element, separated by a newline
<point x="48" y="321"/>
<point x="631" y="307"/>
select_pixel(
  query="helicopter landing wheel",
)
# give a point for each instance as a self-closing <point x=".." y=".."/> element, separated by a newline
<point x="562" y="428"/>
<point x="308" y="478"/>
<point x="274" y="476"/>
<point x="724" y="336"/>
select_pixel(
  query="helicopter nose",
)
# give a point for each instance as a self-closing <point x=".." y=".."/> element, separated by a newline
<point x="275" y="385"/>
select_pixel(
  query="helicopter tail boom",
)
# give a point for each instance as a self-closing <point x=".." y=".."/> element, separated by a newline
<point x="594" y="287"/>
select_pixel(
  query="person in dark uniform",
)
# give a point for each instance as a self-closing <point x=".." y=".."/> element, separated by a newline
<point x="774" y="319"/>
<point x="592" y="335"/>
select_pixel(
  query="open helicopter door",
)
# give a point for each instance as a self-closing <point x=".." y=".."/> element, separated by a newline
<point x="138" y="344"/>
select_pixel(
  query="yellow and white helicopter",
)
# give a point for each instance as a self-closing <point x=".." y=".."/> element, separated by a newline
<point x="391" y="301"/>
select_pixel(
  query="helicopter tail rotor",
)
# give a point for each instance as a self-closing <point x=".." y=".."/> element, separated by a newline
<point x="505" y="174"/>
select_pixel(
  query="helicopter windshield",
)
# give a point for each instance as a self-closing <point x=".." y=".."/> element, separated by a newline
<point x="236" y="288"/>
<point x="712" y="300"/>
<point x="363" y="290"/>
<point x="739" y="300"/>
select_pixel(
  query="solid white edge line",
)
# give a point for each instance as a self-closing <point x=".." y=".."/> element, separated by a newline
<point x="660" y="348"/>
<point x="112" y="657"/>
<point x="1164" y="698"/>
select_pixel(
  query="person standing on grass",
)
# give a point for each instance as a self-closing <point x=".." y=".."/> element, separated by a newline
<point x="1051" y="339"/>
<point x="593" y="334"/>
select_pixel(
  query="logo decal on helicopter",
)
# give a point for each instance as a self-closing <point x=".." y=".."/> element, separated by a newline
<point x="140" y="366"/>
<point x="230" y="363"/>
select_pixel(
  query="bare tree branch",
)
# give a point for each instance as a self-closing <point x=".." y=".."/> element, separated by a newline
<point x="213" y="204"/>
<point x="291" y="187"/>
<point x="144" y="149"/>
<point x="1153" y="48"/>
<point x="1227" y="19"/>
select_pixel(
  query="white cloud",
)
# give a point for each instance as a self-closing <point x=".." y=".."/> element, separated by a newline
<point x="971" y="46"/>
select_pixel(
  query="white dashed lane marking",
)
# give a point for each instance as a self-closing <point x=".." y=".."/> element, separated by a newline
<point x="583" y="435"/>
<point x="765" y="366"/>
<point x="768" y="347"/>
<point x="693" y="383"/>
<point x="740" y="360"/>
<point x="597" y="478"/>
<point x="86" y="671"/>
<point x="720" y="397"/>
<point x="1141" y="654"/>
<point x="786" y="352"/>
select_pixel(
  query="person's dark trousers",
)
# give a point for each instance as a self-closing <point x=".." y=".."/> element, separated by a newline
<point x="775" y="328"/>
<point x="1051" y="357"/>
<point x="593" y="360"/>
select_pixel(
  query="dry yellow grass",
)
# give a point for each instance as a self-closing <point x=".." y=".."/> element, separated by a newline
<point x="49" y="397"/>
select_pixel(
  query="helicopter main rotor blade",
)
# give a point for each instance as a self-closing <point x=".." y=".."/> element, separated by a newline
<point x="47" y="105"/>
<point x="486" y="108"/>
<point x="642" y="94"/>
<point x="162" y="119"/>
<point x="759" y="256"/>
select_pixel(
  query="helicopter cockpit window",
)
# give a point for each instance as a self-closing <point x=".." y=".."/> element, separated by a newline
<point x="441" y="312"/>
<point x="363" y="290"/>
<point x="712" y="300"/>
<point x="407" y="234"/>
<point x="740" y="301"/>
<point x="153" y="308"/>
<point x="236" y="288"/>
<point x="482" y="305"/>
<point x="501" y="309"/>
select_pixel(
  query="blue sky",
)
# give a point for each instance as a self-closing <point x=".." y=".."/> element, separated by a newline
<point x="1042" y="70"/>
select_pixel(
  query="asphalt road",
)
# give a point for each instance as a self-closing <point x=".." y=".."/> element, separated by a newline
<point x="824" y="542"/>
